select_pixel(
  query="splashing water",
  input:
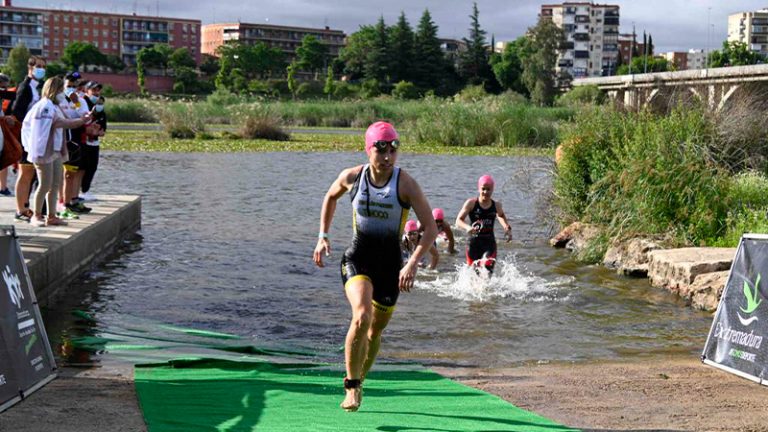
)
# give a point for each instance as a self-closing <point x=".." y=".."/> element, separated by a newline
<point x="470" y="283"/>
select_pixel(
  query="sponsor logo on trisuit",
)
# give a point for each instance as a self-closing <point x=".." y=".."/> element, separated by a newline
<point x="13" y="283"/>
<point x="752" y="302"/>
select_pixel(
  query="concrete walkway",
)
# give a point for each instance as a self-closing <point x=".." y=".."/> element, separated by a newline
<point x="79" y="400"/>
<point x="56" y="255"/>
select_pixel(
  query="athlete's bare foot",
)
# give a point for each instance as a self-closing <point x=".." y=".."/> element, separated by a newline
<point x="353" y="399"/>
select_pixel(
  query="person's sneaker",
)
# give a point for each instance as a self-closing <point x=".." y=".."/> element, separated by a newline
<point x="68" y="214"/>
<point x="78" y="208"/>
<point x="89" y="197"/>
<point x="6" y="192"/>
<point x="37" y="222"/>
<point x="23" y="217"/>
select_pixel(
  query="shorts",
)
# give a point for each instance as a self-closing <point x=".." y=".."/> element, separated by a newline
<point x="384" y="275"/>
<point x="482" y="251"/>
<point x="70" y="168"/>
<point x="24" y="160"/>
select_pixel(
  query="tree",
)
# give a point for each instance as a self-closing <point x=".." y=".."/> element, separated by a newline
<point x="539" y="73"/>
<point x="311" y="55"/>
<point x="180" y="58"/>
<point x="376" y="62"/>
<point x="734" y="54"/>
<point x="114" y="62"/>
<point x="355" y="52"/>
<point x="650" y="45"/>
<point x="431" y="70"/>
<point x="239" y="63"/>
<point x="330" y="85"/>
<point x="652" y="64"/>
<point x="292" y="87"/>
<point x="78" y="54"/>
<point x="209" y="65"/>
<point x="55" y="69"/>
<point x="508" y="67"/>
<point x="474" y="66"/>
<point x="16" y="65"/>
<point x="401" y="50"/>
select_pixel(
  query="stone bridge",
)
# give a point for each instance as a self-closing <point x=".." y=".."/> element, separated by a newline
<point x="715" y="86"/>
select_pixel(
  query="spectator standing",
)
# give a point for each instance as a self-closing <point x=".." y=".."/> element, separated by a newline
<point x="6" y="95"/>
<point x="42" y="133"/>
<point x="27" y="94"/>
<point x="90" y="153"/>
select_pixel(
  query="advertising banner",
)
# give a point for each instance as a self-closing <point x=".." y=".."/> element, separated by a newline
<point x="738" y="339"/>
<point x="26" y="360"/>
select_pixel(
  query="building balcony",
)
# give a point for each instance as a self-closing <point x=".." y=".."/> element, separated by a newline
<point x="581" y="54"/>
<point x="565" y="63"/>
<point x="581" y="37"/>
<point x="611" y="21"/>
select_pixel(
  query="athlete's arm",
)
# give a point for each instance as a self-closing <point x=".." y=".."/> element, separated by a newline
<point x="411" y="194"/>
<point x="435" y="257"/>
<point x="463" y="215"/>
<point x="449" y="236"/>
<point x="338" y="188"/>
<point x="502" y="218"/>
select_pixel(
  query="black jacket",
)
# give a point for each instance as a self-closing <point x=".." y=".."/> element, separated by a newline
<point x="23" y="99"/>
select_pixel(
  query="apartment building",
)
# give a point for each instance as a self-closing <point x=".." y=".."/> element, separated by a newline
<point x="286" y="38"/>
<point x="750" y="28"/>
<point x="592" y="37"/>
<point x="46" y="32"/>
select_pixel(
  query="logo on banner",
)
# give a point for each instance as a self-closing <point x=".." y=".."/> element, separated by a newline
<point x="14" y="286"/>
<point x="753" y="301"/>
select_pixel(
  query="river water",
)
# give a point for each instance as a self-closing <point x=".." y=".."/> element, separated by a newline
<point x="226" y="243"/>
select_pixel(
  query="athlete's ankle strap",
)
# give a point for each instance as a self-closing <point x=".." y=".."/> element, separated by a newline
<point x="351" y="383"/>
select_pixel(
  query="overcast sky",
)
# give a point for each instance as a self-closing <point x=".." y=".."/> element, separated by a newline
<point x="675" y="24"/>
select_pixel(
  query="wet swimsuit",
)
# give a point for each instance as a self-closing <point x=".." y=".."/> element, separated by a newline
<point x="482" y="245"/>
<point x="378" y="220"/>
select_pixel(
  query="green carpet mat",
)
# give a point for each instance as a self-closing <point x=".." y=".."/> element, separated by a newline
<point x="224" y="395"/>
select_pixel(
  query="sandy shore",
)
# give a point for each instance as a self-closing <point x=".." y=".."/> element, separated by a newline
<point x="674" y="394"/>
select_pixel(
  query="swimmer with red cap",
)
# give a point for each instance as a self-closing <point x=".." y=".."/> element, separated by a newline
<point x="483" y="213"/>
<point x="372" y="267"/>
<point x="411" y="240"/>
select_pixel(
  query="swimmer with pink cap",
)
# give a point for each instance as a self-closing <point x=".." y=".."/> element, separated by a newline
<point x="483" y="212"/>
<point x="373" y="272"/>
<point x="410" y="240"/>
<point x="444" y="231"/>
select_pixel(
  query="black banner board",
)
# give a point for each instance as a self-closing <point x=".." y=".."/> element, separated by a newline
<point x="26" y="360"/>
<point x="738" y="339"/>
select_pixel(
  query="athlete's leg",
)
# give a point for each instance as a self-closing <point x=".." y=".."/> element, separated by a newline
<point x="23" y="186"/>
<point x="359" y="292"/>
<point x="380" y="320"/>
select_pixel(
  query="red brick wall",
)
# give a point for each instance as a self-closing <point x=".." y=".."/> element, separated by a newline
<point x="129" y="83"/>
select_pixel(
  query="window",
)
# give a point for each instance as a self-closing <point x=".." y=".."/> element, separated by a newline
<point x="85" y="32"/>
<point x="55" y="18"/>
<point x="76" y="32"/>
<point x="114" y="33"/>
<point x="114" y="22"/>
<point x="66" y="18"/>
<point x="75" y="19"/>
<point x="184" y="37"/>
<point x="105" y="33"/>
<point x="194" y="29"/>
<point x="56" y="41"/>
<point x="105" y="45"/>
<point x="56" y="31"/>
<point x="65" y="32"/>
<point x="114" y="45"/>
<point x="85" y="20"/>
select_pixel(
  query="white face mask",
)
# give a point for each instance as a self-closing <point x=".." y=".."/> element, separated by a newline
<point x="61" y="99"/>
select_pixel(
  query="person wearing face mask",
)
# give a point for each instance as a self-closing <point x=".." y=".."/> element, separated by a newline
<point x="90" y="153"/>
<point x="27" y="94"/>
<point x="73" y="171"/>
<point x="42" y="133"/>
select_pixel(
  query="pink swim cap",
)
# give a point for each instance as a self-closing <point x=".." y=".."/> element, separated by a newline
<point x="437" y="214"/>
<point x="411" y="226"/>
<point x="379" y="131"/>
<point x="485" y="180"/>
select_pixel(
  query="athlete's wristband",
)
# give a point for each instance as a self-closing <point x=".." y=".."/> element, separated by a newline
<point x="322" y="235"/>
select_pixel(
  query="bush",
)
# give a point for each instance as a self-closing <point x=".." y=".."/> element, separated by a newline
<point x="130" y="111"/>
<point x="223" y="97"/>
<point x="310" y="89"/>
<point x="371" y="88"/>
<point x="182" y="120"/>
<point x="260" y="123"/>
<point x="582" y="95"/>
<point x="640" y="173"/>
<point x="345" y="90"/>
<point x="471" y="94"/>
<point x="405" y="90"/>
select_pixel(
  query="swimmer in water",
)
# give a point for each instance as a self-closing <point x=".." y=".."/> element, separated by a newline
<point x="411" y="240"/>
<point x="483" y="212"/>
<point x="444" y="231"/>
<point x="372" y="269"/>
